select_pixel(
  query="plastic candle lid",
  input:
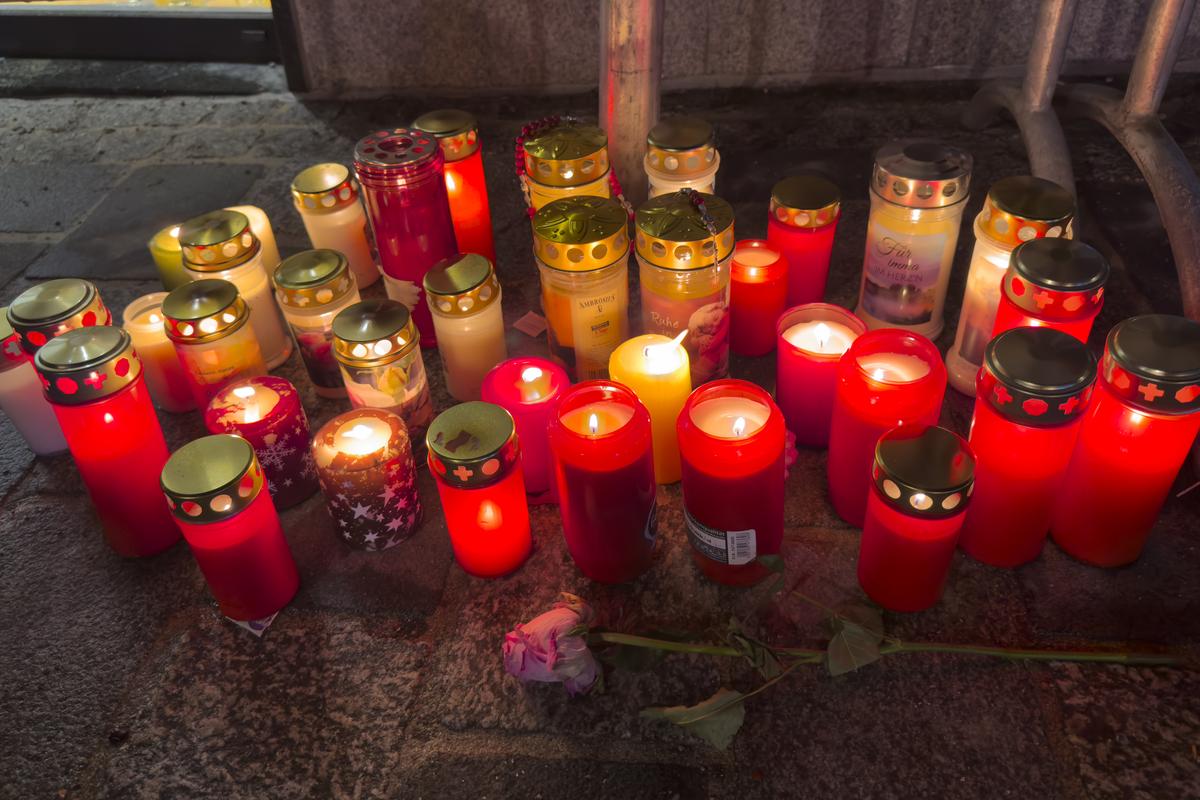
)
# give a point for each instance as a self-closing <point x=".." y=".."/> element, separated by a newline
<point x="322" y="188"/>
<point x="1153" y="362"/>
<point x="568" y="154"/>
<point x="1037" y="376"/>
<point x="49" y="309"/>
<point x="681" y="146"/>
<point x="87" y="364"/>
<point x="924" y="470"/>
<point x="806" y="201"/>
<point x="921" y="174"/>
<point x="313" y="278"/>
<point x="462" y="284"/>
<point x="672" y="234"/>
<point x="457" y="131"/>
<point x="472" y="445"/>
<point x="578" y="234"/>
<point x="1023" y="207"/>
<point x="211" y="479"/>
<point x="204" y="310"/>
<point x="217" y="241"/>
<point x="1056" y="278"/>
<point x="373" y="333"/>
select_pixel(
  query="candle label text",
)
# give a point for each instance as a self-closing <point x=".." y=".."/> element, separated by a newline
<point x="707" y="321"/>
<point x="901" y="274"/>
<point x="724" y="547"/>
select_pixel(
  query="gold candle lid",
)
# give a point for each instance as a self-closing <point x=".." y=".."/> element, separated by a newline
<point x="203" y="310"/>
<point x="921" y="174"/>
<point x="457" y="131"/>
<point x="582" y="233"/>
<point x="671" y="233"/>
<point x="1023" y="207"/>
<point x="87" y="364"/>
<point x="472" y="444"/>
<point x="373" y="333"/>
<point x="212" y="478"/>
<point x="50" y="309"/>
<point x="806" y="201"/>
<point x="217" y="240"/>
<point x="462" y="285"/>
<point x="323" y="188"/>
<point x="681" y="146"/>
<point x="569" y="154"/>
<point x="313" y="278"/>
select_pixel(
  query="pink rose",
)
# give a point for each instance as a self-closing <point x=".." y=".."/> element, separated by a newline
<point x="545" y="649"/>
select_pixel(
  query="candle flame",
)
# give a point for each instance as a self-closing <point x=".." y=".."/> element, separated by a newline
<point x="665" y="357"/>
<point x="489" y="516"/>
<point x="244" y="391"/>
<point x="108" y="417"/>
<point x="359" y="431"/>
<point x="593" y="423"/>
<point x="822" y="332"/>
<point x="739" y="426"/>
<point x="878" y="374"/>
<point x="175" y="232"/>
<point x="451" y="183"/>
<point x="531" y="374"/>
<point x="155" y="318"/>
<point x="679" y="339"/>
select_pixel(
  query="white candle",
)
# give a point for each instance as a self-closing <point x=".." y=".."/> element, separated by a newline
<point x="260" y="224"/>
<point x="598" y="419"/>
<point x="730" y="417"/>
<point x="820" y="337"/>
<point x="22" y="399"/>
<point x="894" y="367"/>
<point x="143" y="319"/>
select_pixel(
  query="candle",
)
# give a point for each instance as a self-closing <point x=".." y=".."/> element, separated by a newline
<point x="1033" y="389"/>
<point x="464" y="298"/>
<point x="365" y="465"/>
<point x="457" y="133"/>
<point x="566" y="160"/>
<point x="1144" y="416"/>
<point x="803" y="218"/>
<point x="656" y="369"/>
<point x="21" y="396"/>
<point x="266" y="412"/>
<point x="165" y="378"/>
<point x="887" y="378"/>
<point x="93" y="378"/>
<point x="529" y="389"/>
<point x="214" y="487"/>
<point x="921" y="481"/>
<point x="1053" y="283"/>
<point x="681" y="154"/>
<point x="731" y="439"/>
<point x="812" y="339"/>
<point x="50" y="309"/>
<point x="604" y="467"/>
<point x="474" y="456"/>
<point x="758" y="295"/>
<point x="327" y="199"/>
<point x="168" y="257"/>
<point x="313" y="287"/>
<point x="260" y="224"/>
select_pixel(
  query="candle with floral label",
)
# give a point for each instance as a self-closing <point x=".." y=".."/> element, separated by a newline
<point x="313" y="287"/>
<point x="464" y="298"/>
<point x="656" y="369"/>
<point x="165" y="378"/>
<point x="568" y="159"/>
<point x="457" y="134"/>
<point x="757" y="296"/>
<point x="803" y="218"/>
<point x="50" y="309"/>
<point x="327" y="199"/>
<point x="681" y="154"/>
<point x="168" y="257"/>
<point x="812" y="339"/>
<point x="529" y="389"/>
<point x="21" y="396"/>
<point x="1053" y="283"/>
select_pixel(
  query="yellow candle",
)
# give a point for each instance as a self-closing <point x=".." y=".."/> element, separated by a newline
<point x="597" y="419"/>
<point x="168" y="257"/>
<point x="656" y="369"/>
<point x="164" y="374"/>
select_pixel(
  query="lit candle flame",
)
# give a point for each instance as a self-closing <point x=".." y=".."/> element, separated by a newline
<point x="529" y="377"/>
<point x="108" y="417"/>
<point x="451" y="183"/>
<point x="155" y="319"/>
<point x="822" y="332"/>
<point x="664" y="358"/>
<point x="489" y="516"/>
<point x="359" y="431"/>
<point x="739" y="426"/>
<point x="175" y="232"/>
<point x="593" y="423"/>
<point x="531" y="374"/>
<point x="244" y="391"/>
<point x="878" y="374"/>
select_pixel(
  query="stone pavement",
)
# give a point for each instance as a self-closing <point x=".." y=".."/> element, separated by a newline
<point x="118" y="679"/>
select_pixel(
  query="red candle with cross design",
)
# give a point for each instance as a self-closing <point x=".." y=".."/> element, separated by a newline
<point x="1144" y="416"/>
<point x="1053" y="283"/>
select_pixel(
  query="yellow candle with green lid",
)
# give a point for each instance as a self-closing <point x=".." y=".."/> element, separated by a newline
<point x="656" y="369"/>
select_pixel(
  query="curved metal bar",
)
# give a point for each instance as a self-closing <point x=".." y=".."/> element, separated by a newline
<point x="1046" y="53"/>
<point x="1045" y="143"/>
<point x="1161" y="39"/>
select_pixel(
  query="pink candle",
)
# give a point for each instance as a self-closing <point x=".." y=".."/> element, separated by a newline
<point x="529" y="389"/>
<point x="812" y="339"/>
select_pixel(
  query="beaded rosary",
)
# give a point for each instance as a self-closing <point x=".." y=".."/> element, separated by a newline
<point x="533" y="130"/>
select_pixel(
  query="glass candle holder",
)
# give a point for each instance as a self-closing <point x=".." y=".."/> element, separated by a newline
<point x="475" y="459"/>
<point x="681" y="154"/>
<point x="1144" y="416"/>
<point x="1017" y="209"/>
<point x="365" y="465"/>
<point x="165" y="377"/>
<point x="168" y="257"/>
<point x="260" y="226"/>
<point x="887" y="378"/>
<point x="1033" y="389"/>
<point x="812" y="340"/>
<point x="920" y="484"/>
<point x="758" y="295"/>
<point x="375" y="344"/>
<point x="457" y="134"/>
<point x="530" y="389"/>
<point x="803" y="218"/>
<point x="567" y="160"/>
<point x="656" y="369"/>
<point x="404" y="189"/>
<point x="1053" y="283"/>
<point x="93" y="378"/>
<point x="684" y="274"/>
<point x="918" y="193"/>
<point x="267" y="413"/>
<point x="50" y="309"/>
<point x="207" y="321"/>
<point x="604" y="466"/>
<point x="464" y="298"/>
<point x="326" y="198"/>
<point x="731" y="440"/>
<point x="313" y="287"/>
<point x="21" y="397"/>
<point x="581" y="247"/>
<point x="214" y="488"/>
<point x="221" y="245"/>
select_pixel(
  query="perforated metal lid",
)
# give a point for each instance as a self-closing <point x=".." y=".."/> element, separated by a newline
<point x="1037" y="376"/>
<point x="925" y="471"/>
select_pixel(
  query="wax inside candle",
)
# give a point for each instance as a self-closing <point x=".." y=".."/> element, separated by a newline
<point x="361" y="436"/>
<point x="730" y="417"/>
<point x="820" y="338"/>
<point x="252" y="403"/>
<point x="534" y="384"/>
<point x="597" y="419"/>
<point x="756" y="256"/>
<point x="894" y="367"/>
<point x="664" y="358"/>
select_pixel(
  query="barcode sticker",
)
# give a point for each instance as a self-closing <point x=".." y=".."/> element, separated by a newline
<point x="724" y="547"/>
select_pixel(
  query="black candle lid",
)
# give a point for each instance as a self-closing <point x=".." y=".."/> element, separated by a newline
<point x="1056" y="278"/>
<point x="924" y="470"/>
<point x="1037" y="376"/>
<point x="1153" y="362"/>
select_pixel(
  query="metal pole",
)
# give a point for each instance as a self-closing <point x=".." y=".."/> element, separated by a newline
<point x="1165" y="28"/>
<point x="1046" y="53"/>
<point x="630" y="72"/>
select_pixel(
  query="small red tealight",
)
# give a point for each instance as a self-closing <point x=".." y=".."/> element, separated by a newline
<point x="758" y="295"/>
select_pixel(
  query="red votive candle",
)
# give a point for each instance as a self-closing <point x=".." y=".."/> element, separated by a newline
<point x="888" y="377"/>
<point x="731" y="439"/>
<point x="214" y="487"/>
<point x="604" y="461"/>
<point x="93" y="378"/>
<point x="758" y="295"/>
<point x="921" y="482"/>
<point x="475" y="458"/>
<point x="1053" y="283"/>
<point x="812" y="340"/>
<point x="1144" y="416"/>
<point x="50" y="309"/>
<point x="529" y="389"/>
<point x="457" y="133"/>
<point x="266" y="412"/>
<point x="1029" y="400"/>
<point x="803" y="218"/>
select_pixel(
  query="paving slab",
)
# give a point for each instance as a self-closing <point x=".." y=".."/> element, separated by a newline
<point x="33" y="200"/>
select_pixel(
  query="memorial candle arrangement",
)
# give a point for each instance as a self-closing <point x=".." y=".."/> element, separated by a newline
<point x="529" y="389"/>
<point x="474" y="456"/>
<point x="93" y="378"/>
<point x="656" y="369"/>
<point x="21" y="397"/>
<point x="313" y="287"/>
<point x="604" y="464"/>
<point x="1033" y="389"/>
<point x="567" y="160"/>
<point x="365" y="465"/>
<point x="464" y="298"/>
<point x="1053" y="283"/>
<point x="457" y="134"/>
<point x="266" y="412"/>
<point x="812" y="340"/>
<point x="1144" y="416"/>
<point x="214" y="488"/>
<point x="50" y="309"/>
<point x="681" y="154"/>
<point x="168" y="257"/>
<point x="1016" y="210"/>
<point x="758" y="295"/>
<point x="165" y="377"/>
<point x="731" y="439"/>
<point x="920" y="484"/>
<point x="887" y="378"/>
<point x="326" y="198"/>
<point x="803" y="218"/>
<point x="918" y="192"/>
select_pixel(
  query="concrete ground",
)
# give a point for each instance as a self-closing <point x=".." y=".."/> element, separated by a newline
<point x="118" y="678"/>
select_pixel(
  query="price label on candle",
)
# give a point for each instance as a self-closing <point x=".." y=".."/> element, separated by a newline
<point x="724" y="547"/>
